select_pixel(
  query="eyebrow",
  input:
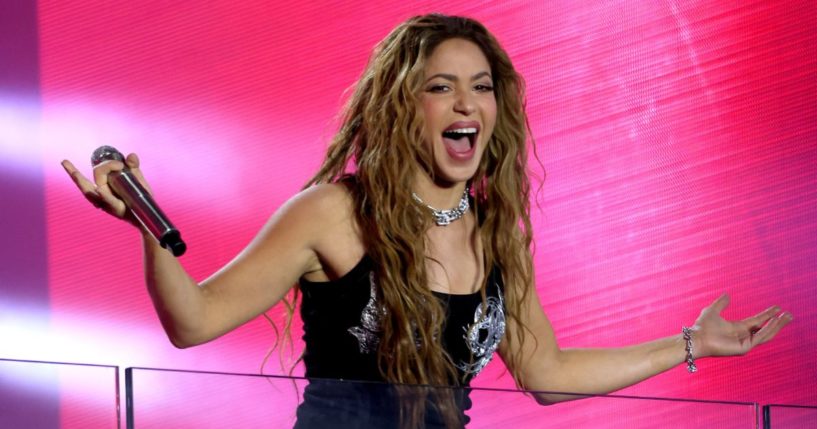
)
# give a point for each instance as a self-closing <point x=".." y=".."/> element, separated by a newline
<point x="454" y="78"/>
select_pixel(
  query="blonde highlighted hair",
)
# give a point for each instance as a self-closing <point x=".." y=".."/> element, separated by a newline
<point x="380" y="134"/>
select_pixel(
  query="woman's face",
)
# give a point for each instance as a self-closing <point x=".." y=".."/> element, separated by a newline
<point x="459" y="108"/>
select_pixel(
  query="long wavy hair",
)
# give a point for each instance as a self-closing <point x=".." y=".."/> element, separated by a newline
<point x="381" y="128"/>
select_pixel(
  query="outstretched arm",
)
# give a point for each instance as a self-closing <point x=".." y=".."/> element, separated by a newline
<point x="546" y="367"/>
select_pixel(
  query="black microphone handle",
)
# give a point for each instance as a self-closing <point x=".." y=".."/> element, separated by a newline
<point x="146" y="211"/>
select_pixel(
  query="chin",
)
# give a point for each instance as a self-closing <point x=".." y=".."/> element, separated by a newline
<point x="450" y="175"/>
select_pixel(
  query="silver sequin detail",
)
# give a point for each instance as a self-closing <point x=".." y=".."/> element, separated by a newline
<point x="367" y="333"/>
<point x="488" y="325"/>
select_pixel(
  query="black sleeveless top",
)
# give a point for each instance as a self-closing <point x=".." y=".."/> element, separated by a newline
<point x="341" y="333"/>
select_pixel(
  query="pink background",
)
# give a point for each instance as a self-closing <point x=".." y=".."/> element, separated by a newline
<point x="678" y="138"/>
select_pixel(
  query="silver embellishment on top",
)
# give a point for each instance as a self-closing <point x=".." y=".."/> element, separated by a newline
<point x="482" y="338"/>
<point x="445" y="217"/>
<point x="367" y="333"/>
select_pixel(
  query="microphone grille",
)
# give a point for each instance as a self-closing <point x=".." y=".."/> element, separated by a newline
<point x="106" y="153"/>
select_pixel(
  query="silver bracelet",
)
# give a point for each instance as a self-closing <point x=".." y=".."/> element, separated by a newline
<point x="688" y="338"/>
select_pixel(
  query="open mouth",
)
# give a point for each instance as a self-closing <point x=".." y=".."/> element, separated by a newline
<point x="460" y="139"/>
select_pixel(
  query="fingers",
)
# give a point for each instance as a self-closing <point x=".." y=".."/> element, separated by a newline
<point x="103" y="169"/>
<point x="757" y="321"/>
<point x="132" y="160"/>
<point x="719" y="304"/>
<point x="101" y="173"/>
<point x="97" y="192"/>
<point x="72" y="171"/>
<point x="771" y="328"/>
<point x="85" y="186"/>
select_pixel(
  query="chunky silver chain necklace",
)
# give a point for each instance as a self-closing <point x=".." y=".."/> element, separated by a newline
<point x="445" y="217"/>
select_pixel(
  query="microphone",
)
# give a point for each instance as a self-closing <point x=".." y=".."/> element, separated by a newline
<point x="138" y="200"/>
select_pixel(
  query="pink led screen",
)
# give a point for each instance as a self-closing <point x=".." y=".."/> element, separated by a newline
<point x="678" y="140"/>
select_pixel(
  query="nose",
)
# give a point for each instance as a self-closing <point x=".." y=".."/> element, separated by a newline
<point x="465" y="104"/>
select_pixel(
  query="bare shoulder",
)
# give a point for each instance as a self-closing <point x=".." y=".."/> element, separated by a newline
<point x="326" y="213"/>
<point x="318" y="209"/>
<point x="327" y="198"/>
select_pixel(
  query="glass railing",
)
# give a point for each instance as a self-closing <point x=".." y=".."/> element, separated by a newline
<point x="160" y="398"/>
<point x="789" y="416"/>
<point x="36" y="394"/>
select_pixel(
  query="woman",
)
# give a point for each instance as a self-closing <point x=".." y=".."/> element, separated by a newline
<point x="394" y="288"/>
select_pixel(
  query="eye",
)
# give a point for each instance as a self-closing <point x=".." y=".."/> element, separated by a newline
<point x="483" y="87"/>
<point x="439" y="88"/>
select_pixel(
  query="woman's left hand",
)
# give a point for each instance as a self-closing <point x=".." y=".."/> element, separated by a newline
<point x="715" y="336"/>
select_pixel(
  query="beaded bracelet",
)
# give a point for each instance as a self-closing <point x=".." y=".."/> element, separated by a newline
<point x="688" y="338"/>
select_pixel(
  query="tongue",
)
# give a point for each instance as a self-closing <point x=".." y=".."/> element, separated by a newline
<point x="458" y="145"/>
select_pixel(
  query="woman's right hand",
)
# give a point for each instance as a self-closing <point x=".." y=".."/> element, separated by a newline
<point x="99" y="193"/>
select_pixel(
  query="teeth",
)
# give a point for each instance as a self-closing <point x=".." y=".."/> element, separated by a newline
<point x="463" y="131"/>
